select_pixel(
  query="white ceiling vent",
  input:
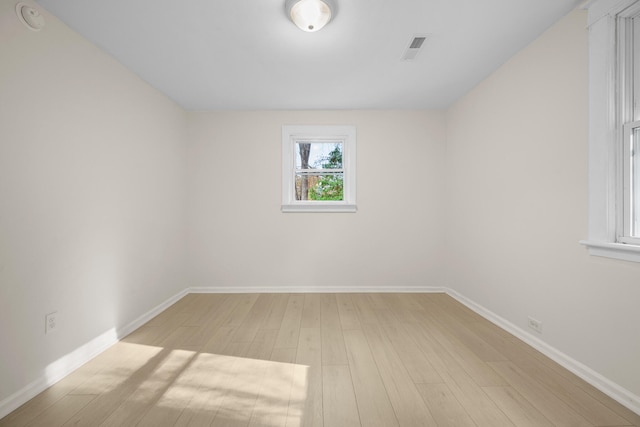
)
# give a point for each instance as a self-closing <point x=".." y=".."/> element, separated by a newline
<point x="415" y="45"/>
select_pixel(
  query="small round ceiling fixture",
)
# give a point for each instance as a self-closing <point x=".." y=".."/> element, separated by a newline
<point x="310" y="15"/>
<point x="30" y="16"/>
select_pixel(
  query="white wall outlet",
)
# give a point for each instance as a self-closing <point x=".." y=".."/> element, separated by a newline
<point x="536" y="325"/>
<point x="50" y="322"/>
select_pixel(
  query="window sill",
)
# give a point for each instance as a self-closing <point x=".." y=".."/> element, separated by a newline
<point x="319" y="207"/>
<point x="620" y="251"/>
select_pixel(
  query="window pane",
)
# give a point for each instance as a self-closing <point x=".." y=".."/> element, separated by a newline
<point x="320" y="187"/>
<point x="636" y="68"/>
<point x="635" y="183"/>
<point x="318" y="155"/>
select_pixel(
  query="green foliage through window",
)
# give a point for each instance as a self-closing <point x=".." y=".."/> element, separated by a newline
<point x="329" y="187"/>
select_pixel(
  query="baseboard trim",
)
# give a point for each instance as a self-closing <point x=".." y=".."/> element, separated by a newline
<point x="62" y="367"/>
<point x="132" y="326"/>
<point x="315" y="289"/>
<point x="608" y="387"/>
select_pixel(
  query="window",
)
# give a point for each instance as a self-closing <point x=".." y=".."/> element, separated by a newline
<point x="628" y="23"/>
<point x="318" y="169"/>
<point x="631" y="188"/>
<point x="614" y="129"/>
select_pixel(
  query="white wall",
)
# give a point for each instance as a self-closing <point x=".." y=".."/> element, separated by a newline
<point x="94" y="198"/>
<point x="238" y="237"/>
<point x="517" y="200"/>
<point x="91" y="196"/>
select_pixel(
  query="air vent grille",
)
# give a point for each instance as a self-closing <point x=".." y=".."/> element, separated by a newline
<point x="414" y="47"/>
<point x="416" y="43"/>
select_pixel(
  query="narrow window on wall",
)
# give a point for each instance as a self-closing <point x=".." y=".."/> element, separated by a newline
<point x="614" y="129"/>
<point x="629" y="75"/>
<point x="318" y="169"/>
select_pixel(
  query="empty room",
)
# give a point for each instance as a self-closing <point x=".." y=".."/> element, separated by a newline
<point x="320" y="213"/>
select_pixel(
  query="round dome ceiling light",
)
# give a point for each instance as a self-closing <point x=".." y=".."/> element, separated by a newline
<point x="310" y="15"/>
<point x="30" y="16"/>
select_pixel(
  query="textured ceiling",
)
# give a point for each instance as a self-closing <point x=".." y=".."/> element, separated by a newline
<point x="246" y="54"/>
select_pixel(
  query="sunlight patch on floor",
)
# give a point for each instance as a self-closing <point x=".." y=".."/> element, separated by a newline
<point x="196" y="387"/>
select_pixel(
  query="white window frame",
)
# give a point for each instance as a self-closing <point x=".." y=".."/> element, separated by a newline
<point x="610" y="108"/>
<point x="627" y="233"/>
<point x="295" y="133"/>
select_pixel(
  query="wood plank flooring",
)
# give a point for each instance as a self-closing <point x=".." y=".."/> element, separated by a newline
<point x="321" y="360"/>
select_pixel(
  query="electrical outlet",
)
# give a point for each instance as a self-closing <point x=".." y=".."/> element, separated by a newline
<point x="536" y="325"/>
<point x="50" y="322"/>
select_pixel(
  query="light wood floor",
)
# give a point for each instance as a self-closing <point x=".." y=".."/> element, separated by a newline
<point x="322" y="359"/>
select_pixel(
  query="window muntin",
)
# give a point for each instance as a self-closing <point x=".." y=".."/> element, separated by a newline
<point x="318" y="169"/>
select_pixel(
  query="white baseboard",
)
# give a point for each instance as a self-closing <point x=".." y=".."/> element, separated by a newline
<point x="315" y="289"/>
<point x="126" y="330"/>
<point x="72" y="361"/>
<point x="608" y="387"/>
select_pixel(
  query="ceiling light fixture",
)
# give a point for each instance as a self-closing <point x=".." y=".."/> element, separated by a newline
<point x="30" y="16"/>
<point x="310" y="15"/>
